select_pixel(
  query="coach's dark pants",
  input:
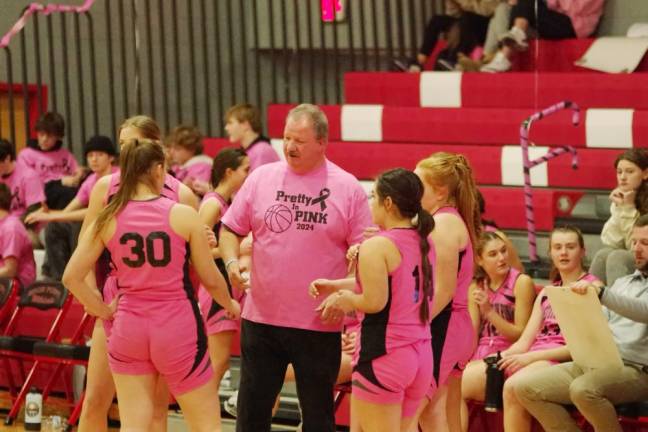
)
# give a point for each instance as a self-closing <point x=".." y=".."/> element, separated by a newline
<point x="266" y="351"/>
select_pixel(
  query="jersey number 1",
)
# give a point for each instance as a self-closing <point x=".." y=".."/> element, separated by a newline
<point x="145" y="251"/>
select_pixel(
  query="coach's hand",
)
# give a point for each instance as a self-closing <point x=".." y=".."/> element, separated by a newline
<point x="336" y="305"/>
<point x="581" y="287"/>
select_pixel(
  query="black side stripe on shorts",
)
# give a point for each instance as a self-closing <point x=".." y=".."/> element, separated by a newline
<point x="439" y="330"/>
<point x="201" y="343"/>
<point x="366" y="370"/>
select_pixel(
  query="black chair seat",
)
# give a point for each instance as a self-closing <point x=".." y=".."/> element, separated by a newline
<point x="62" y="351"/>
<point x="21" y="344"/>
<point x="633" y="409"/>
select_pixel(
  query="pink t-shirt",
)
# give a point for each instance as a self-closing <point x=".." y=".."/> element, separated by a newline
<point x="260" y="153"/>
<point x="14" y="242"/>
<point x="26" y="188"/>
<point x="398" y="324"/>
<point x="83" y="195"/>
<point x="302" y="227"/>
<point x="50" y="165"/>
<point x="197" y="168"/>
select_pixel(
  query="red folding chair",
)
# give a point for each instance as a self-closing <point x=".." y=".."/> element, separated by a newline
<point x="39" y="296"/>
<point x="9" y="289"/>
<point x="74" y="352"/>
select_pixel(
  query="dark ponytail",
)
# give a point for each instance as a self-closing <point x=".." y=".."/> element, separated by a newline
<point x="406" y="191"/>
<point x="424" y="227"/>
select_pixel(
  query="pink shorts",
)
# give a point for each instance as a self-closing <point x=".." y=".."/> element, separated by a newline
<point x="163" y="336"/>
<point x="453" y="344"/>
<point x="214" y="315"/>
<point x="402" y="376"/>
<point x="109" y="292"/>
<point x="485" y="349"/>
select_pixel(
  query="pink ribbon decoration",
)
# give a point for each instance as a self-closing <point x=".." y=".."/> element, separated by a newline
<point x="34" y="8"/>
<point x="528" y="164"/>
<point x="329" y="8"/>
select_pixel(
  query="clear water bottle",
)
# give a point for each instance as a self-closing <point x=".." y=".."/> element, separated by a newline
<point x="33" y="410"/>
<point x="494" y="384"/>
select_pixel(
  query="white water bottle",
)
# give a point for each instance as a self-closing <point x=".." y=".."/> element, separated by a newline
<point x="33" y="410"/>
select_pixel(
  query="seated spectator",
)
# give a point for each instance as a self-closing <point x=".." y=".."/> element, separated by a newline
<point x="62" y="230"/>
<point x="188" y="163"/>
<point x="26" y="188"/>
<point x="57" y="168"/>
<point x="243" y="126"/>
<point x="491" y="226"/>
<point x="500" y="301"/>
<point x="465" y="26"/>
<point x="595" y="392"/>
<point x="541" y="343"/>
<point x="16" y="253"/>
<point x="555" y="19"/>
<point x="629" y="200"/>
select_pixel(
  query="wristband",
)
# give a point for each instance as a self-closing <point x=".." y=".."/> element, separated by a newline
<point x="230" y="261"/>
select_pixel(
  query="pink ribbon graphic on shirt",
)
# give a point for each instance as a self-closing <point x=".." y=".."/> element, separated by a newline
<point x="528" y="164"/>
<point x="34" y="8"/>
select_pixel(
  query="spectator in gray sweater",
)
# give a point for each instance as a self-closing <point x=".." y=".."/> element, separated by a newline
<point x="596" y="391"/>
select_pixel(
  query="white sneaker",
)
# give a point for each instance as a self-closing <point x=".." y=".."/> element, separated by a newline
<point x="518" y="36"/>
<point x="499" y="64"/>
<point x="229" y="405"/>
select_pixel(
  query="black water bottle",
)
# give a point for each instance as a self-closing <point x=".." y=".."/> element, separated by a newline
<point x="494" y="384"/>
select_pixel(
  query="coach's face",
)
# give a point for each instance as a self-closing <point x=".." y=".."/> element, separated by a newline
<point x="640" y="247"/>
<point x="302" y="149"/>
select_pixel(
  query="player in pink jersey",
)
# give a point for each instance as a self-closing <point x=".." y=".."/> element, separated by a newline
<point x="304" y="214"/>
<point x="151" y="240"/>
<point x="16" y="254"/>
<point x="500" y="303"/>
<point x="189" y="164"/>
<point x="243" y="126"/>
<point x="451" y="196"/>
<point x="541" y="343"/>
<point x="100" y="387"/>
<point x="393" y="359"/>
<point x="230" y="169"/>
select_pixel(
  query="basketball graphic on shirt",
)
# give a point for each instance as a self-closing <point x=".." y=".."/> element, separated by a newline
<point x="278" y="218"/>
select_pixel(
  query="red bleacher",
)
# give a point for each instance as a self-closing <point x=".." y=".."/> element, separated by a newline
<point x="475" y="126"/>
<point x="506" y="90"/>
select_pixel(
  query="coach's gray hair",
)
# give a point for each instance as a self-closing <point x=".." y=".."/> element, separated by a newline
<point x="316" y="116"/>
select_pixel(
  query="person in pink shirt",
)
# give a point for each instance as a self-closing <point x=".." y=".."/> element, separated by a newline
<point x="100" y="387"/>
<point x="27" y="189"/>
<point x="393" y="296"/>
<point x="541" y="344"/>
<point x="230" y="169"/>
<point x="62" y="229"/>
<point x="304" y="214"/>
<point x="16" y="253"/>
<point x="56" y="166"/>
<point x="243" y="126"/>
<point x="451" y="197"/>
<point x="151" y="239"/>
<point x="189" y="164"/>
